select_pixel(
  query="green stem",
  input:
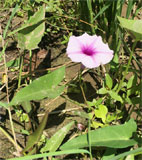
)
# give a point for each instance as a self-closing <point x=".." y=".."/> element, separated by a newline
<point x="30" y="55"/>
<point x="140" y="88"/>
<point x="89" y="3"/>
<point x="128" y="65"/>
<point x="20" y="72"/>
<point x="89" y="140"/>
<point x="89" y="126"/>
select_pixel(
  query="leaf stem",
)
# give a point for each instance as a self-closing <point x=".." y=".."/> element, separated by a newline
<point x="30" y="55"/>
<point x="20" y="72"/>
<point x="89" y="126"/>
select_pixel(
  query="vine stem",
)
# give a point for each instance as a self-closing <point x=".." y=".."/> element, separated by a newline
<point x="89" y="121"/>
<point x="7" y="96"/>
<point x="128" y="65"/>
<point x="20" y="71"/>
<point x="89" y="124"/>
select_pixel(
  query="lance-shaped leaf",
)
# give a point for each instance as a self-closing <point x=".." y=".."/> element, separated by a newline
<point x="50" y="154"/>
<point x="27" y="106"/>
<point x="115" y="96"/>
<point x="55" y="141"/>
<point x="133" y="26"/>
<point x="45" y="86"/>
<point x="35" y="136"/>
<point x="137" y="151"/>
<point x="32" y="32"/>
<point x="113" y="136"/>
<point x="109" y="81"/>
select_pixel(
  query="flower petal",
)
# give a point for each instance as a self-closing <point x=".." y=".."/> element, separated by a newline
<point x="90" y="62"/>
<point x="103" y="58"/>
<point x="86" y="39"/>
<point x="76" y="57"/>
<point x="87" y="61"/>
<point x="89" y="50"/>
<point x="74" y="46"/>
<point x="100" y="46"/>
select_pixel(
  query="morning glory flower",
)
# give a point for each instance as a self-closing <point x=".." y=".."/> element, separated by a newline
<point x="91" y="51"/>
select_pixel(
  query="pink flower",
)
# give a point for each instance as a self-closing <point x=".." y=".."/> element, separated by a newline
<point x="89" y="50"/>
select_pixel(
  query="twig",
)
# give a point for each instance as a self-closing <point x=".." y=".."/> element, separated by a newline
<point x="9" y="137"/>
<point x="61" y="111"/>
<point x="2" y="87"/>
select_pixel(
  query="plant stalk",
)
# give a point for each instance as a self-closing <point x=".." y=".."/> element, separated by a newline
<point x="20" y="72"/>
<point x="89" y="3"/>
<point x="89" y="125"/>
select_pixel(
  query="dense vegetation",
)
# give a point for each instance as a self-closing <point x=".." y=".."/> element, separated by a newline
<point x="105" y="38"/>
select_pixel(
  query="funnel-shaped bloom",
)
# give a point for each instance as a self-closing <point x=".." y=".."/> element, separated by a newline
<point x="89" y="50"/>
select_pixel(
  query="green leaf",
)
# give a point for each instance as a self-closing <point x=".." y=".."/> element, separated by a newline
<point x="2" y="104"/>
<point x="73" y="151"/>
<point x="35" y="136"/>
<point x="45" y="86"/>
<point x="105" y="7"/>
<point x="130" y="157"/>
<point x="109" y="81"/>
<point x="23" y="131"/>
<point x="32" y="32"/>
<point x="131" y="86"/>
<point x="135" y="152"/>
<point x="99" y="101"/>
<point x="81" y="114"/>
<point x="102" y="91"/>
<point x="115" y="87"/>
<point x="9" y="21"/>
<point x="112" y="136"/>
<point x="27" y="106"/>
<point x="112" y="117"/>
<point x="132" y="81"/>
<point x="109" y="153"/>
<point x="95" y="102"/>
<point x="129" y="8"/>
<point x="115" y="96"/>
<point x="101" y="112"/>
<point x="96" y="124"/>
<point x="55" y="141"/>
<point x="133" y="26"/>
<point x="13" y="63"/>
